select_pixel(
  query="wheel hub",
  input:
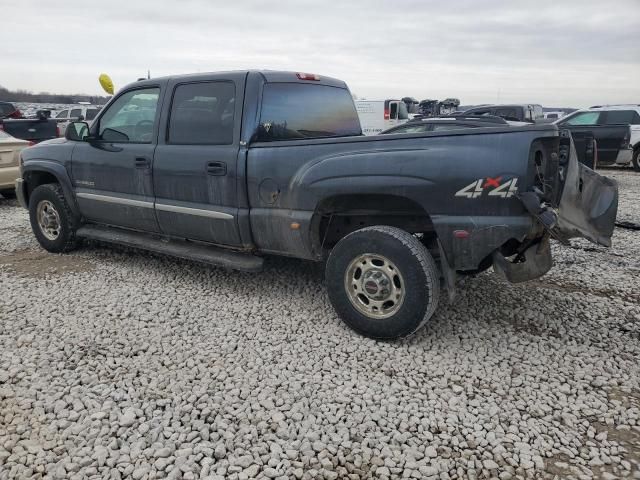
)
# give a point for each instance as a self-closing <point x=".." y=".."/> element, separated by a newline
<point x="374" y="285"/>
<point x="48" y="220"/>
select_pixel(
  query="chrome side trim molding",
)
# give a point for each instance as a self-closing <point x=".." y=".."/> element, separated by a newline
<point x="193" y="211"/>
<point x="118" y="200"/>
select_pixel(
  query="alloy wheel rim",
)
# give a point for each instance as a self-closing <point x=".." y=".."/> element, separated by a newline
<point x="374" y="285"/>
<point x="48" y="220"/>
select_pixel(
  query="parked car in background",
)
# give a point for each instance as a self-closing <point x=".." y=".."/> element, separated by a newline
<point x="378" y="115"/>
<point x="226" y="167"/>
<point x="436" y="124"/>
<point x="10" y="148"/>
<point x="81" y="112"/>
<point x="8" y="110"/>
<point x="518" y="112"/>
<point x="615" y="143"/>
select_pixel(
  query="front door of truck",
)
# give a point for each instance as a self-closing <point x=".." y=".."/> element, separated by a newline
<point x="112" y="172"/>
<point x="194" y="173"/>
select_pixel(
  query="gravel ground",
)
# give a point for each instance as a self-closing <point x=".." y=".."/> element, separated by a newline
<point x="116" y="364"/>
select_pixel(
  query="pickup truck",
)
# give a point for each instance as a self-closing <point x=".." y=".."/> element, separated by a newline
<point x="33" y="130"/>
<point x="225" y="168"/>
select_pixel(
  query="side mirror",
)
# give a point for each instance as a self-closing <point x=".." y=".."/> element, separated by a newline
<point x="77" y="131"/>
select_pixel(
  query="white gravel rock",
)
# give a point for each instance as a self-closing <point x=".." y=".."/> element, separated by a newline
<point x="119" y="364"/>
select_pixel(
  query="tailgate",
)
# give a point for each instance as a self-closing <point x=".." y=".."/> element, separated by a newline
<point x="588" y="205"/>
<point x="32" y="130"/>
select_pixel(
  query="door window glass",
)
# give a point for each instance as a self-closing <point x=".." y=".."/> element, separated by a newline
<point x="75" y="113"/>
<point x="202" y="114"/>
<point x="616" y="117"/>
<point x="63" y="114"/>
<point x="130" y="119"/>
<point x="393" y="111"/>
<point x="584" y="118"/>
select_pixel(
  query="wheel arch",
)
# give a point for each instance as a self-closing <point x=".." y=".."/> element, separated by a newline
<point x="41" y="172"/>
<point x="338" y="215"/>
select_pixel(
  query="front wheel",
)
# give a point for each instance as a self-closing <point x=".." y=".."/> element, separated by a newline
<point x="52" y="221"/>
<point x="636" y="160"/>
<point x="382" y="282"/>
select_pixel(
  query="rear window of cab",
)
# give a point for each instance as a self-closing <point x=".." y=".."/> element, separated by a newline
<point x="296" y="111"/>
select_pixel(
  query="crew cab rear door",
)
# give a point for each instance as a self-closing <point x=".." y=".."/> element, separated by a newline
<point x="589" y="201"/>
<point x="195" y="163"/>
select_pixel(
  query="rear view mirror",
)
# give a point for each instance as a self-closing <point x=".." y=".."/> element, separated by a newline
<point x="77" y="131"/>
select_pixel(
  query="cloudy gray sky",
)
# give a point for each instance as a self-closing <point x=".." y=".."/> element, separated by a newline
<point x="562" y="53"/>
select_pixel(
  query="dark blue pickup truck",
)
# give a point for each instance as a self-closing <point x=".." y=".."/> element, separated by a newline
<point x="225" y="168"/>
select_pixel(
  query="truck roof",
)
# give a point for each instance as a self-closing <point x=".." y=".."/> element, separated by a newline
<point x="270" y="76"/>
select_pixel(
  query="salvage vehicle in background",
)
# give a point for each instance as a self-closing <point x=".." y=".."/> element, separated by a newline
<point x="8" y="110"/>
<point x="10" y="162"/>
<point x="616" y="129"/>
<point x="224" y="168"/>
<point x="517" y="112"/>
<point x="378" y="115"/>
<point x="31" y="129"/>
<point x="452" y="122"/>
<point x="79" y="112"/>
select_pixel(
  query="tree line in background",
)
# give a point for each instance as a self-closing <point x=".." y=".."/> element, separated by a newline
<point x="46" y="97"/>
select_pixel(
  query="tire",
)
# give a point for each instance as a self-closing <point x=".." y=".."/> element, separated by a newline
<point x="47" y="206"/>
<point x="396" y="289"/>
<point x="636" y="160"/>
<point x="10" y="193"/>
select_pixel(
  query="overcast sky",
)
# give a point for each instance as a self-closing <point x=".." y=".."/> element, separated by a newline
<point x="557" y="53"/>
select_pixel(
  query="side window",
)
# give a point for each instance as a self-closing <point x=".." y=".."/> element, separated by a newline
<point x="615" y="117"/>
<point x="131" y="118"/>
<point x="202" y="114"/>
<point x="294" y="111"/>
<point x="91" y="113"/>
<point x="63" y="114"/>
<point x="75" y="113"/>
<point x="510" y="113"/>
<point x="584" y="118"/>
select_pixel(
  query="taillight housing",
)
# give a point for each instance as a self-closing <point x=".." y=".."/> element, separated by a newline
<point x="57" y="130"/>
<point x="387" y="116"/>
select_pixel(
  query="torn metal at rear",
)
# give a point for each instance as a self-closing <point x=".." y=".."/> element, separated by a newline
<point x="587" y="208"/>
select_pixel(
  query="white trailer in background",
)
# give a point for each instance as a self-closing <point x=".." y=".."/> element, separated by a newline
<point x="378" y="115"/>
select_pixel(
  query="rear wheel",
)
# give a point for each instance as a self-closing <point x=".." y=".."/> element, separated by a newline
<point x="636" y="159"/>
<point x="382" y="282"/>
<point x="52" y="221"/>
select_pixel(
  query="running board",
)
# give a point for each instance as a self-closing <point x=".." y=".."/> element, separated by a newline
<point x="196" y="252"/>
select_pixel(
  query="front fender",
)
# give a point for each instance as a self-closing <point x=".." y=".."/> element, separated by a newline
<point x="33" y="167"/>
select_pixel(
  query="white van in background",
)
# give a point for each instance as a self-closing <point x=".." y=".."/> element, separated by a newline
<point x="378" y="115"/>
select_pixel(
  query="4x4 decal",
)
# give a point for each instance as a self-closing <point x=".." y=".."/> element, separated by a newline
<point x="491" y="185"/>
